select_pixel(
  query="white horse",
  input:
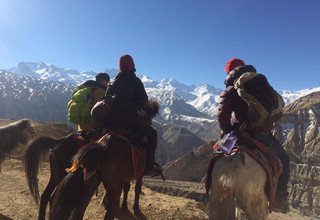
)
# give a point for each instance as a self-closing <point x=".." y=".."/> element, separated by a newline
<point x="238" y="182"/>
<point x="12" y="135"/>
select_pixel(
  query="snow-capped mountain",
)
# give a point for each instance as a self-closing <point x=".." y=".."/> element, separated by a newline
<point x="40" y="70"/>
<point x="27" y="97"/>
<point x="183" y="102"/>
<point x="31" y="90"/>
<point x="290" y="96"/>
<point x="178" y="101"/>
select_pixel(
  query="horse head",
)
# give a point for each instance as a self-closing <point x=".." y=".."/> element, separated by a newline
<point x="28" y="131"/>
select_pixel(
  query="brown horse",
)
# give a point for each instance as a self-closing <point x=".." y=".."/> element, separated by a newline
<point x="108" y="161"/>
<point x="12" y="135"/>
<point x="61" y="152"/>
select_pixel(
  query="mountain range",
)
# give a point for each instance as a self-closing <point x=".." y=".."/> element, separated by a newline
<point x="41" y="91"/>
<point x="203" y="98"/>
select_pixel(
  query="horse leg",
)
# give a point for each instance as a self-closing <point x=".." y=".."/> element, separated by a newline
<point x="256" y="210"/>
<point x="45" y="198"/>
<point x="91" y="185"/>
<point x="250" y="192"/>
<point x="113" y="197"/>
<point x="221" y="209"/>
<point x="255" y="206"/>
<point x="54" y="179"/>
<point x="137" y="190"/>
<point x="126" y="189"/>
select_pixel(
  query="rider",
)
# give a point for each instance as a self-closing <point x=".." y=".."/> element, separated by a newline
<point x="99" y="87"/>
<point x="230" y="103"/>
<point x="127" y="111"/>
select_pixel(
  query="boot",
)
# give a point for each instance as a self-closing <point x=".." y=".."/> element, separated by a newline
<point x="281" y="203"/>
<point x="152" y="168"/>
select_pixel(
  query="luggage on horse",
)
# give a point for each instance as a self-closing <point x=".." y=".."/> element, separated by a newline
<point x="102" y="109"/>
<point x="265" y="104"/>
<point x="80" y="105"/>
<point x="227" y="143"/>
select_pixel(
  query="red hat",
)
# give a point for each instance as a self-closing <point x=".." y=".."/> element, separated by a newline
<point x="126" y="63"/>
<point x="233" y="63"/>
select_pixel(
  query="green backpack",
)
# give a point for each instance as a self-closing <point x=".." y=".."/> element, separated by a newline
<point x="80" y="105"/>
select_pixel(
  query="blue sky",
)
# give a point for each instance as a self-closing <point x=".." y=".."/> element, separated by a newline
<point x="189" y="40"/>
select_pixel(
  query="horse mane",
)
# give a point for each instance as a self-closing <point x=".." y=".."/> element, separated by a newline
<point x="152" y="108"/>
<point x="67" y="195"/>
<point x="13" y="134"/>
<point x="90" y="157"/>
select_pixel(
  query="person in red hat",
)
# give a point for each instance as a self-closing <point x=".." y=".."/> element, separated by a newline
<point x="231" y="102"/>
<point x="130" y="98"/>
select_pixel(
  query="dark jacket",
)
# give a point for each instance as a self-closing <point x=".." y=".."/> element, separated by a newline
<point x="230" y="102"/>
<point x="129" y="92"/>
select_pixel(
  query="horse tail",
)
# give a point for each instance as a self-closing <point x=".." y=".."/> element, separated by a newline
<point x="224" y="184"/>
<point x="67" y="195"/>
<point x="36" y="150"/>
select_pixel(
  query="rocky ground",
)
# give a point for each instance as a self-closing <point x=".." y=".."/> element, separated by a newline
<point x="16" y="202"/>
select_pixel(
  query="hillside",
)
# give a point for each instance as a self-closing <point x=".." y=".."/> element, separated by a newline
<point x="299" y="131"/>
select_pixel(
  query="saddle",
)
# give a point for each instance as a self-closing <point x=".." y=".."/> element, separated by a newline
<point x="138" y="153"/>
<point x="260" y="153"/>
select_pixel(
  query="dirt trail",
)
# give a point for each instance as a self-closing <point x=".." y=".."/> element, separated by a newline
<point x="16" y="202"/>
